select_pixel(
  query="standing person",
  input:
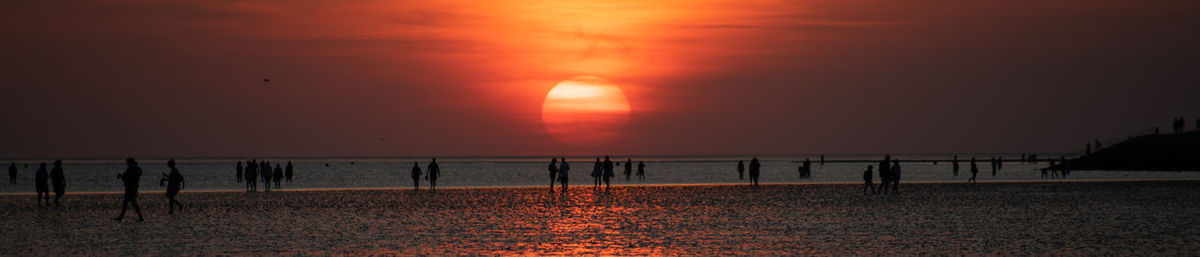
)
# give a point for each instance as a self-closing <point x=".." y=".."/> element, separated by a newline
<point x="41" y="184"/>
<point x="553" y="171"/>
<point x="974" y="171"/>
<point x="416" y="176"/>
<point x="131" y="178"/>
<point x="278" y="176"/>
<point x="741" y="170"/>
<point x="807" y="168"/>
<point x="288" y="172"/>
<point x="239" y="172"/>
<point x="608" y="172"/>
<point x="885" y="175"/>
<point x="754" y="166"/>
<point x="641" y="171"/>
<point x="822" y="160"/>
<point x="869" y="180"/>
<point x="956" y="165"/>
<point x="628" y="168"/>
<point x="993" y="166"/>
<point x="597" y="171"/>
<point x="895" y="176"/>
<point x="432" y="175"/>
<point x="562" y="174"/>
<point x="12" y="173"/>
<point x="174" y="181"/>
<point x="252" y="176"/>
<point x="265" y="172"/>
<point x="59" y="180"/>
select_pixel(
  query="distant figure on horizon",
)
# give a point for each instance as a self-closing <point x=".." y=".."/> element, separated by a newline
<point x="553" y="172"/>
<point x="12" y="173"/>
<point x="174" y="181"/>
<point x="416" y="176"/>
<point x="869" y="180"/>
<point x="265" y="173"/>
<point x="41" y="183"/>
<point x="741" y="170"/>
<point x="597" y="171"/>
<point x="58" y="180"/>
<point x="754" y="169"/>
<point x="288" y="172"/>
<point x="956" y="165"/>
<point x="993" y="160"/>
<point x="641" y="173"/>
<point x="608" y="172"/>
<point x="822" y="160"/>
<point x="131" y="178"/>
<point x="278" y="176"/>
<point x="895" y="176"/>
<point x="562" y="174"/>
<point x="974" y="171"/>
<point x="432" y="173"/>
<point x="240" y="175"/>
<point x="628" y="168"/>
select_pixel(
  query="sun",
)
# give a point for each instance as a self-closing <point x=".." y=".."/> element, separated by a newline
<point x="585" y="110"/>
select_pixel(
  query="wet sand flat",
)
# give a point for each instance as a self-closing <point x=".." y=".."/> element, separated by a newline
<point x="1054" y="218"/>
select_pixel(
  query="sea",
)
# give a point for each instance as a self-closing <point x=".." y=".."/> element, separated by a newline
<point x="391" y="173"/>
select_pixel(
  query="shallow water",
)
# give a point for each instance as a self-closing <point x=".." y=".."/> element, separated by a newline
<point x="1072" y="218"/>
<point x="100" y="176"/>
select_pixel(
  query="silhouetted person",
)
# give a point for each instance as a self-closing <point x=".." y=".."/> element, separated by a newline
<point x="59" y="180"/>
<point x="999" y="162"/>
<point x="754" y="169"/>
<point x="822" y="160"/>
<point x="432" y="175"/>
<point x="252" y="176"/>
<point x="955" y="165"/>
<point x="553" y="171"/>
<point x="608" y="172"/>
<point x="741" y="170"/>
<point x="597" y="171"/>
<point x="562" y="174"/>
<point x="174" y="181"/>
<point x="416" y="176"/>
<point x="131" y="178"/>
<point x="807" y="168"/>
<point x="869" y="180"/>
<point x="895" y="176"/>
<point x="288" y="172"/>
<point x="974" y="171"/>
<point x="12" y="173"/>
<point x="628" y="168"/>
<point x="641" y="173"/>
<point x="885" y="174"/>
<point x="41" y="183"/>
<point x="993" y="160"/>
<point x="240" y="173"/>
<point x="278" y="176"/>
<point x="1066" y="166"/>
<point x="265" y="173"/>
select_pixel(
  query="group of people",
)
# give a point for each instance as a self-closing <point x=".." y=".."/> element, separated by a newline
<point x="132" y="178"/>
<point x="255" y="170"/>
<point x="754" y="170"/>
<point x="602" y="171"/>
<point x="1179" y="124"/>
<point x="889" y="177"/>
<point x="1057" y="169"/>
<point x="433" y="171"/>
<point x="42" y="181"/>
<point x="805" y="169"/>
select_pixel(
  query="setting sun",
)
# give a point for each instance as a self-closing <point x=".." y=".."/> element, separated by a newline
<point x="585" y="110"/>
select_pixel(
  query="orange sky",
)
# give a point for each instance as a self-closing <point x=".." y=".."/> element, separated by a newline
<point x="111" y="78"/>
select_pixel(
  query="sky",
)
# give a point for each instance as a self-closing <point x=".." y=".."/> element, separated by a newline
<point x="120" y="78"/>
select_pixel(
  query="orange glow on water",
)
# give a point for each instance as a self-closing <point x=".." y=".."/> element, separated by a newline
<point x="585" y="110"/>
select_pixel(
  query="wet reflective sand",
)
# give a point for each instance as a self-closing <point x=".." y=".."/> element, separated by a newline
<point x="1092" y="218"/>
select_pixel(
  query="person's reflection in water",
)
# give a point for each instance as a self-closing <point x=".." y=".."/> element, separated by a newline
<point x="131" y="178"/>
<point x="174" y="181"/>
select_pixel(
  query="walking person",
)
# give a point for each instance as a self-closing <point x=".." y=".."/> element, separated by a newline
<point x="974" y="171"/>
<point x="885" y="175"/>
<point x="597" y="171"/>
<point x="131" y="178"/>
<point x="741" y="170"/>
<point x="895" y="176"/>
<point x="869" y="180"/>
<point x="288" y="172"/>
<point x="252" y="176"/>
<point x="608" y="172"/>
<point x="754" y="169"/>
<point x="265" y="173"/>
<point x="416" y="176"/>
<point x="41" y="183"/>
<point x="12" y="173"/>
<point x="278" y="176"/>
<point x="553" y="172"/>
<point x="432" y="175"/>
<point x="59" y="180"/>
<point x="562" y="174"/>
<point x="628" y="168"/>
<point x="174" y="181"/>
<point x="641" y="173"/>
